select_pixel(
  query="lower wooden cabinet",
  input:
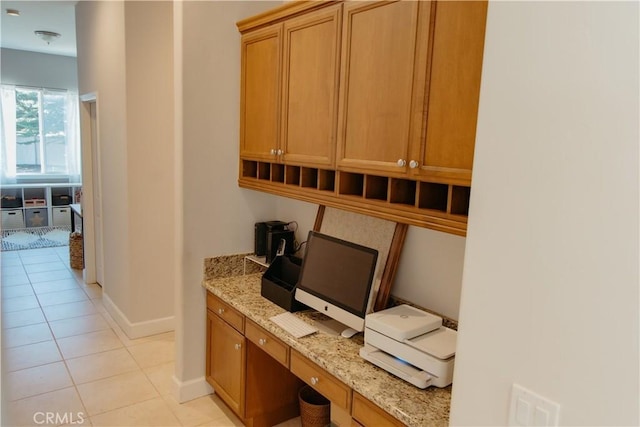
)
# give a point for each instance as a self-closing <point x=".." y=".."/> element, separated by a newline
<point x="226" y="355"/>
<point x="366" y="413"/>
<point x="259" y="389"/>
<point x="258" y="376"/>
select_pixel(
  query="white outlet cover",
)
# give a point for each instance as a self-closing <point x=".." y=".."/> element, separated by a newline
<point x="530" y="409"/>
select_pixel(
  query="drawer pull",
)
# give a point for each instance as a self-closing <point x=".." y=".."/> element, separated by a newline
<point x="262" y="341"/>
<point x="238" y="346"/>
<point x="220" y="310"/>
<point x="314" y="380"/>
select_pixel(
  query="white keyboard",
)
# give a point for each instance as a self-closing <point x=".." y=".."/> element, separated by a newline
<point x="293" y="324"/>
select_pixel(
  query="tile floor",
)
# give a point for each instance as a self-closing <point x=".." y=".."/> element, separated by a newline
<point x="65" y="358"/>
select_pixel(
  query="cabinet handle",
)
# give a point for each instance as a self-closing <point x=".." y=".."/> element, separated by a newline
<point x="262" y="341"/>
<point x="279" y="152"/>
<point x="413" y="164"/>
<point x="220" y="311"/>
<point x="402" y="163"/>
<point x="273" y="151"/>
<point x="237" y="346"/>
<point x="314" y="380"/>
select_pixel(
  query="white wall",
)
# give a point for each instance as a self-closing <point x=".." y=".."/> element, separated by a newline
<point x="126" y="58"/>
<point x="150" y="163"/>
<point x="430" y="270"/>
<point x="218" y="216"/>
<point x="101" y="69"/>
<point x="550" y="288"/>
<point x="20" y="67"/>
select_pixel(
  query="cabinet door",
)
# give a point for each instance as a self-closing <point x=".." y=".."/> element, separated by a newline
<point x="454" y="90"/>
<point x="379" y="79"/>
<point x="226" y="362"/>
<point x="310" y="87"/>
<point x="260" y="92"/>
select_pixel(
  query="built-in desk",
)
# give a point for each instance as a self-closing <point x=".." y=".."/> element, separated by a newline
<point x="364" y="382"/>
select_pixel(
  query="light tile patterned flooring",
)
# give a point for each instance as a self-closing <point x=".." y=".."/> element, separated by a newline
<point x="62" y="354"/>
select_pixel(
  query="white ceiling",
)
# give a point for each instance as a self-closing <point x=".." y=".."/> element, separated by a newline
<point x="51" y="15"/>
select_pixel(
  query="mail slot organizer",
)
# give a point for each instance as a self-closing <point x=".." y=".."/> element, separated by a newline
<point x="279" y="283"/>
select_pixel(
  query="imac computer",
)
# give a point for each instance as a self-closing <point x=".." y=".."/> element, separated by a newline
<point x="336" y="279"/>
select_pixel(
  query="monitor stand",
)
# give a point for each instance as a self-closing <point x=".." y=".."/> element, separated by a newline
<point x="335" y="328"/>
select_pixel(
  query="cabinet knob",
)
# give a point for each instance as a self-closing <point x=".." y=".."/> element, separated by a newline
<point x="220" y="310"/>
<point x="413" y="164"/>
<point x="262" y="341"/>
<point x="314" y="380"/>
<point x="402" y="163"/>
<point x="279" y="152"/>
<point x="237" y="346"/>
<point x="273" y="151"/>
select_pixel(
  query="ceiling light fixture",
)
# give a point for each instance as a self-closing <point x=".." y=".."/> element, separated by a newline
<point x="47" y="36"/>
<point x="13" y="12"/>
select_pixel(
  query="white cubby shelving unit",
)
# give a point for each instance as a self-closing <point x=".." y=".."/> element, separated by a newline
<point x="37" y="205"/>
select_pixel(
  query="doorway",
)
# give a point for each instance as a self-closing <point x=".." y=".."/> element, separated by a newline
<point x="92" y="191"/>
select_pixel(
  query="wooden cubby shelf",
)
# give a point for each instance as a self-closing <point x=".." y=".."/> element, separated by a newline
<point x="460" y="200"/>
<point x="428" y="204"/>
<point x="433" y="196"/>
<point x="403" y="192"/>
<point x="326" y="180"/>
<point x="351" y="184"/>
<point x="377" y="188"/>
<point x="289" y="175"/>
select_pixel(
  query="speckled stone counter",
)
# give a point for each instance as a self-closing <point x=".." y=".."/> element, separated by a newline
<point x="338" y="356"/>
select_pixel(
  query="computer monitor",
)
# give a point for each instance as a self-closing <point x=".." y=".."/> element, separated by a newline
<point x="336" y="279"/>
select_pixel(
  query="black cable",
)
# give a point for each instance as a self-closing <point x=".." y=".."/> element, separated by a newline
<point x="299" y="247"/>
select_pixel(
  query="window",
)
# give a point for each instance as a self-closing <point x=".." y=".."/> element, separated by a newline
<point x="40" y="134"/>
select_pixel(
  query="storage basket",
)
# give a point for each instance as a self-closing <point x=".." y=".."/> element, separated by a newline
<point x="76" y="255"/>
<point x="315" y="409"/>
<point x="32" y="203"/>
<point x="11" y="202"/>
<point x="60" y="200"/>
<point x="12" y="218"/>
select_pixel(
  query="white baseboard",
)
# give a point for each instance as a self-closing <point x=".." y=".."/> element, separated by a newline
<point x="138" y="329"/>
<point x="189" y="390"/>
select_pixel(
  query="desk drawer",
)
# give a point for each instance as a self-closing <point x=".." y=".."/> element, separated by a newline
<point x="267" y="342"/>
<point x="226" y="312"/>
<point x="328" y="385"/>
<point x="367" y="413"/>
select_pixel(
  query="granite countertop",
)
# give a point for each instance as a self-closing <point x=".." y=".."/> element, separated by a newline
<point x="338" y="356"/>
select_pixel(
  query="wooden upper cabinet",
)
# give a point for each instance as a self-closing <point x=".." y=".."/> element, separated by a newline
<point x="310" y="87"/>
<point x="260" y="92"/>
<point x="451" y="102"/>
<point x="379" y="78"/>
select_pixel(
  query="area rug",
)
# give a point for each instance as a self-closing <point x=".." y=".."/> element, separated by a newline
<point x="33" y="238"/>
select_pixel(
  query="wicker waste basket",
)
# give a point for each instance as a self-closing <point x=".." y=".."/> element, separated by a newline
<point x="315" y="409"/>
<point x="76" y="256"/>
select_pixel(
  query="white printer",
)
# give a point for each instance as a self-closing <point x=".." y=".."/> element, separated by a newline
<point x="411" y="344"/>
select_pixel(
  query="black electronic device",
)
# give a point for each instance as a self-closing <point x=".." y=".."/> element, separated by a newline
<point x="279" y="242"/>
<point x="260" y="236"/>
